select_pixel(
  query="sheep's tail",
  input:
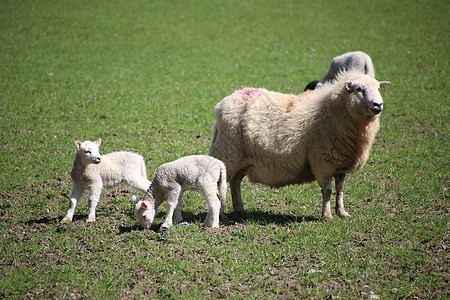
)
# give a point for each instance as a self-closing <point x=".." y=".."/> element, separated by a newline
<point x="222" y="185"/>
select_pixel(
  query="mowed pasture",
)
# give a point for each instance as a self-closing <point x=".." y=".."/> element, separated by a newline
<point x="144" y="76"/>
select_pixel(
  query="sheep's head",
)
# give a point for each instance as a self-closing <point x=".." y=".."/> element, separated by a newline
<point x="145" y="212"/>
<point x="365" y="97"/>
<point x="89" y="152"/>
<point x="313" y="85"/>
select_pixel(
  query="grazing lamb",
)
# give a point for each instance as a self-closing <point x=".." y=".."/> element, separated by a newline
<point x="358" y="61"/>
<point x="279" y="139"/>
<point x="196" y="172"/>
<point x="92" y="171"/>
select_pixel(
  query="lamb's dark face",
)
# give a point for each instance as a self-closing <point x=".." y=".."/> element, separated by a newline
<point x="365" y="96"/>
<point x="89" y="152"/>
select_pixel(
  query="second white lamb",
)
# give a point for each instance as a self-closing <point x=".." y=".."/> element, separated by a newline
<point x="196" y="172"/>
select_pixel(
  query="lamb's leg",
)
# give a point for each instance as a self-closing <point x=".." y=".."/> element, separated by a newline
<point x="94" y="197"/>
<point x="213" y="216"/>
<point x="214" y="205"/>
<point x="74" y="198"/>
<point x="326" y="194"/>
<point x="236" y="196"/>
<point x="340" y="210"/>
<point x="172" y="202"/>
<point x="178" y="215"/>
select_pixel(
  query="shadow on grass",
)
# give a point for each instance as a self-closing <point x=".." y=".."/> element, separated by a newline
<point x="258" y="217"/>
<point x="263" y="217"/>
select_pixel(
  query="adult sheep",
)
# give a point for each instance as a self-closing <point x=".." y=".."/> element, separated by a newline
<point x="279" y="139"/>
<point x="356" y="60"/>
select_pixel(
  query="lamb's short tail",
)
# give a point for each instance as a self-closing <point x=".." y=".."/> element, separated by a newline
<point x="144" y="175"/>
<point x="222" y="184"/>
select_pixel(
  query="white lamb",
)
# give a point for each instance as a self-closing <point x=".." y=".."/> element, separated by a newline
<point x="358" y="61"/>
<point x="196" y="172"/>
<point x="279" y="139"/>
<point x="92" y="171"/>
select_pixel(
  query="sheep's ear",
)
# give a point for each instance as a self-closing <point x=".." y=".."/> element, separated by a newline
<point x="349" y="86"/>
<point x="98" y="142"/>
<point x="384" y="84"/>
<point x="78" y="144"/>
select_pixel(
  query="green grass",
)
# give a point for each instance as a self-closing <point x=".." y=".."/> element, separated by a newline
<point x="144" y="76"/>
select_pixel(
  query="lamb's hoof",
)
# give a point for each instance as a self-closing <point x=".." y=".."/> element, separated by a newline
<point x="66" y="220"/>
<point x="90" y="220"/>
<point x="327" y="217"/>
<point x="164" y="230"/>
<point x="343" y="214"/>
<point x="183" y="224"/>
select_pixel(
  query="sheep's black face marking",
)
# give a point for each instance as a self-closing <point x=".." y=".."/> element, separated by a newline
<point x="313" y="85"/>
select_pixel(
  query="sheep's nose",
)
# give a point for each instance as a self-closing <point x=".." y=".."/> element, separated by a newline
<point x="377" y="107"/>
<point x="98" y="159"/>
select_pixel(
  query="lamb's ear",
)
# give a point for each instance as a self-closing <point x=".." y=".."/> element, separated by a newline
<point x="78" y="144"/>
<point x="135" y="199"/>
<point x="349" y="86"/>
<point x="144" y="205"/>
<point x="98" y="142"/>
<point x="384" y="84"/>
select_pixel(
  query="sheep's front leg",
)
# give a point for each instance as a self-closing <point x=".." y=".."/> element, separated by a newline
<point x="236" y="195"/>
<point x="74" y="198"/>
<point x="340" y="210"/>
<point x="326" y="194"/>
<point x="94" y="197"/>
<point x="172" y="202"/>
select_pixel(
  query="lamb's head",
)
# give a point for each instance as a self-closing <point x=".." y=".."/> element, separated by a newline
<point x="89" y="152"/>
<point x="145" y="211"/>
<point x="364" y="96"/>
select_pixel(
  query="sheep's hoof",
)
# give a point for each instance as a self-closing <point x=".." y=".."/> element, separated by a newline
<point x="223" y="218"/>
<point x="183" y="224"/>
<point x="241" y="214"/>
<point x="91" y="220"/>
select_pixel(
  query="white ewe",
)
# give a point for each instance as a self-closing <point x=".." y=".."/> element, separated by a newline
<point x="279" y="139"/>
<point x="92" y="171"/>
<point x="196" y="172"/>
<point x="358" y="61"/>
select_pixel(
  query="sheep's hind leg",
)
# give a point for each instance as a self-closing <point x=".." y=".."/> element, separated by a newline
<point x="326" y="194"/>
<point x="236" y="195"/>
<point x="340" y="210"/>
<point x="74" y="198"/>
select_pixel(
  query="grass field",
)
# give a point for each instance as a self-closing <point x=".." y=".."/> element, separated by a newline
<point x="144" y="76"/>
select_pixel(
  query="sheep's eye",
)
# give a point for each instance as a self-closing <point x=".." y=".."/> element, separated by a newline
<point x="87" y="151"/>
<point x="359" y="90"/>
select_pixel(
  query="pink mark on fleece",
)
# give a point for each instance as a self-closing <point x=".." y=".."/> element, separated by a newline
<point x="249" y="92"/>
